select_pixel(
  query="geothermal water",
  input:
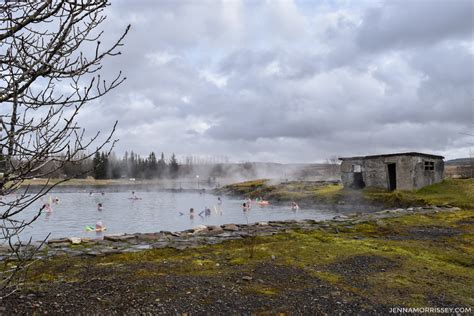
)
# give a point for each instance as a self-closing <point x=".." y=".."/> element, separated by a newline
<point x="155" y="211"/>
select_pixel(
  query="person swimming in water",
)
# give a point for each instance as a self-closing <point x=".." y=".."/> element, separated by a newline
<point x="99" y="226"/>
<point x="245" y="207"/>
<point x="191" y="213"/>
<point x="294" y="206"/>
<point x="100" y="207"/>
<point x="206" y="212"/>
<point x="134" y="196"/>
<point x="47" y="207"/>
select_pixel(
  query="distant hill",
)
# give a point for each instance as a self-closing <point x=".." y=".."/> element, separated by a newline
<point x="459" y="162"/>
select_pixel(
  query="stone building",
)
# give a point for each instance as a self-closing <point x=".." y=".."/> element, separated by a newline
<point x="402" y="171"/>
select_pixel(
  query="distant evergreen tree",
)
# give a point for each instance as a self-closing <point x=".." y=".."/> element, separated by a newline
<point x="141" y="167"/>
<point x="174" y="167"/>
<point x="104" y="166"/>
<point x="96" y="165"/>
<point x="115" y="171"/>
<point x="161" y="166"/>
<point x="100" y="163"/>
<point x="133" y="165"/>
<point x="114" y="167"/>
<point x="152" y="166"/>
<point x="126" y="165"/>
<point x="76" y="168"/>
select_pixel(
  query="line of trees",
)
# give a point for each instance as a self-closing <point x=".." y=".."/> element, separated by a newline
<point x="106" y="165"/>
<point x="131" y="165"/>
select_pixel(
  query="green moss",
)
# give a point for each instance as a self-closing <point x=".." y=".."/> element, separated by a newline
<point x="261" y="290"/>
<point x="54" y="269"/>
<point x="287" y="191"/>
<point x="244" y="188"/>
<point x="239" y="261"/>
<point x="329" y="190"/>
<point x="328" y="277"/>
<point x="144" y="273"/>
<point x="457" y="192"/>
<point x="423" y="267"/>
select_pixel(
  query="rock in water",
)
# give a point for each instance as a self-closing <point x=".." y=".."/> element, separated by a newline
<point x="230" y="227"/>
<point x="75" y="240"/>
<point x="200" y="228"/>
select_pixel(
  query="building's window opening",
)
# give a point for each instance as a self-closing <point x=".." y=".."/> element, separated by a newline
<point x="356" y="168"/>
<point x="429" y="165"/>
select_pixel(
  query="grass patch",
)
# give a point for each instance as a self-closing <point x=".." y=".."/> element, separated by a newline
<point x="302" y="191"/>
<point x="261" y="290"/>
<point x="456" y="192"/>
<point x="423" y="269"/>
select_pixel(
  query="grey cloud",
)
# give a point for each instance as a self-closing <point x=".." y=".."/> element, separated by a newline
<point x="448" y="64"/>
<point x="178" y="24"/>
<point x="385" y="85"/>
<point x="245" y="59"/>
<point x="447" y="88"/>
<point x="398" y="24"/>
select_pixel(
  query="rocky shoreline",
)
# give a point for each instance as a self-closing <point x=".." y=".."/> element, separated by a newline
<point x="206" y="235"/>
<point x="351" y="264"/>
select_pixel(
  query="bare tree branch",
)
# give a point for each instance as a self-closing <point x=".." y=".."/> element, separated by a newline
<point x="50" y="62"/>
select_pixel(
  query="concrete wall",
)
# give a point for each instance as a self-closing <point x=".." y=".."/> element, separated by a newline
<point x="428" y="177"/>
<point x="410" y="171"/>
<point x="347" y="175"/>
<point x="376" y="174"/>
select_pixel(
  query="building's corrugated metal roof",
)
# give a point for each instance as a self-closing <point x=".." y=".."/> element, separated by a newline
<point x="395" y="154"/>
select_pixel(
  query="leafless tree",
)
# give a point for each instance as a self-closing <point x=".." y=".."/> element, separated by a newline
<point x="333" y="163"/>
<point x="50" y="62"/>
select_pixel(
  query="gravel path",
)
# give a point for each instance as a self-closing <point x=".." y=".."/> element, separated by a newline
<point x="267" y="289"/>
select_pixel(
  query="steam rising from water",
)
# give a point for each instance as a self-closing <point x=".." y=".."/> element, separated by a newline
<point x="276" y="173"/>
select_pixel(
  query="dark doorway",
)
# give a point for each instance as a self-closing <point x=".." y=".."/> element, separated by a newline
<point x="392" y="176"/>
<point x="358" y="181"/>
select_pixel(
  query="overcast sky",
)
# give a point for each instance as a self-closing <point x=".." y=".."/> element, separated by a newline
<point x="291" y="81"/>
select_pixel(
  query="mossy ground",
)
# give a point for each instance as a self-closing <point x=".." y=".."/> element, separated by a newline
<point x="350" y="267"/>
<point x="286" y="191"/>
<point x="458" y="192"/>
<point x="401" y="261"/>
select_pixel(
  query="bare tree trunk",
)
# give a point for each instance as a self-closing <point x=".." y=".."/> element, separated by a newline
<point x="45" y="46"/>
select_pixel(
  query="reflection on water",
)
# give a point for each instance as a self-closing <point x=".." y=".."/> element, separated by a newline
<point x="148" y="212"/>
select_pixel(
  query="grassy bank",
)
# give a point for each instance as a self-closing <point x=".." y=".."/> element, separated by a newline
<point x="286" y="191"/>
<point x="457" y="192"/>
<point x="350" y="267"/>
<point x="413" y="260"/>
